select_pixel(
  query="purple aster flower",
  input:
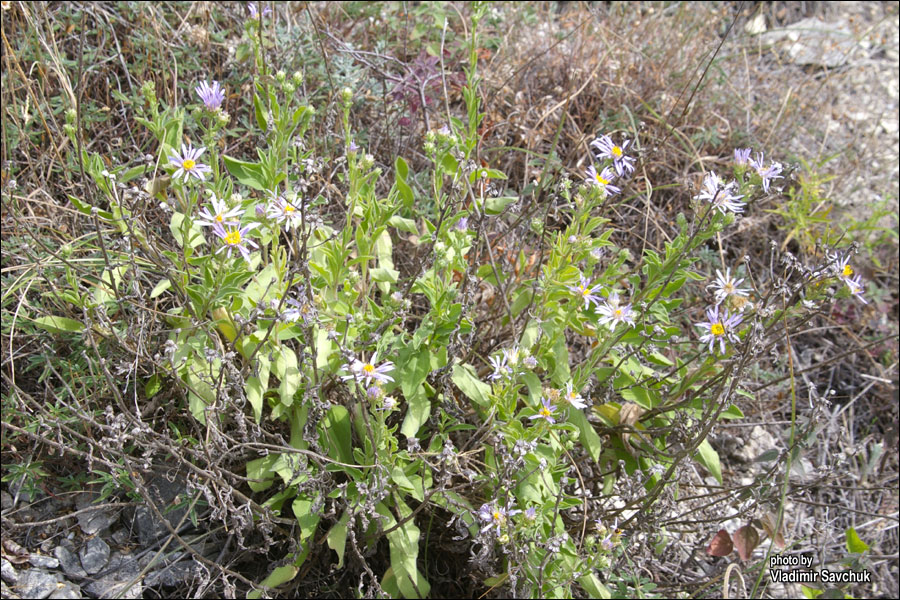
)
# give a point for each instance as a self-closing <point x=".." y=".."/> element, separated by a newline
<point x="353" y="147"/>
<point x="721" y="196"/>
<point x="219" y="215"/>
<point x="719" y="328"/>
<point x="254" y="12"/>
<point x="766" y="173"/>
<point x="726" y="285"/>
<point x="545" y="411"/>
<point x="573" y="397"/>
<point x="493" y="517"/>
<point x="741" y="156"/>
<point x="366" y="371"/>
<point x="531" y="513"/>
<point x="613" y="312"/>
<point x="298" y="311"/>
<point x="462" y="224"/>
<point x="211" y="95"/>
<point x="187" y="163"/>
<point x="589" y="294"/>
<point x="603" y="180"/>
<point x="235" y="238"/>
<point x="501" y="368"/>
<point x="605" y="147"/>
<point x="853" y="281"/>
<point x="284" y="212"/>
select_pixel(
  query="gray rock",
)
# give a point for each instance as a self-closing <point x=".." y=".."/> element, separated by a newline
<point x="94" y="555"/>
<point x="120" y="571"/>
<point x="44" y="562"/>
<point x="816" y="42"/>
<point x="5" y="592"/>
<point x="68" y="591"/>
<point x="35" y="583"/>
<point x="165" y="495"/>
<point x="173" y="575"/>
<point x="6" y="500"/>
<point x="71" y="564"/>
<point x="8" y="572"/>
<point x="93" y="521"/>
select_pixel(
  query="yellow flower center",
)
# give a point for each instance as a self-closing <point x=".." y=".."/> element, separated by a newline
<point x="220" y="218"/>
<point x="602" y="181"/>
<point x="584" y="291"/>
<point x="369" y="368"/>
<point x="289" y="209"/>
<point x="717" y="329"/>
<point x="187" y="164"/>
<point x="573" y="396"/>
<point x="618" y="312"/>
<point x="545" y="412"/>
<point x="498" y="516"/>
<point x="233" y="237"/>
<point x="728" y="288"/>
<point x="848" y="271"/>
<point x="617" y="152"/>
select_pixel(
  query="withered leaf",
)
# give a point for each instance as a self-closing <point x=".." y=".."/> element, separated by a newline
<point x="720" y="545"/>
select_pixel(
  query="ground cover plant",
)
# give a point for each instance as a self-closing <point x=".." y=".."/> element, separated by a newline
<point x="449" y="299"/>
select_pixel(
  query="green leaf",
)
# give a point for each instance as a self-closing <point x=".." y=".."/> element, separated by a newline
<point x="404" y="224"/>
<point x="254" y="390"/>
<point x="259" y="473"/>
<point x="402" y="170"/>
<point x="732" y="412"/>
<point x="337" y="538"/>
<point x="495" y="206"/>
<point x="385" y="274"/>
<point x="285" y="367"/>
<point x="152" y="387"/>
<point x="55" y="324"/>
<point x="404" y="546"/>
<point x="250" y="174"/>
<point x="588" y="437"/>
<point x="854" y="544"/>
<point x="467" y="381"/>
<point x="194" y="234"/>
<point x="594" y="587"/>
<point x="307" y="520"/>
<point x="260" y="112"/>
<point x="281" y="575"/>
<point x="336" y="434"/>
<point x="418" y="409"/>
<point x="709" y="458"/>
<point x="160" y="287"/>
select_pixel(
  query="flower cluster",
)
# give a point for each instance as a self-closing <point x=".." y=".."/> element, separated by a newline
<point x="721" y="195"/>
<point x="622" y="164"/>
<point x="766" y="173"/>
<point x="506" y="365"/>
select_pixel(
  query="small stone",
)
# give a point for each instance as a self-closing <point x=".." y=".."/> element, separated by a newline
<point x="67" y="591"/>
<point x="94" y="521"/>
<point x="5" y="592"/>
<point x="70" y="562"/>
<point x="35" y="583"/>
<point x="122" y="570"/>
<point x="94" y="555"/>
<point x="44" y="562"/>
<point x="8" y="572"/>
<point x="6" y="500"/>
